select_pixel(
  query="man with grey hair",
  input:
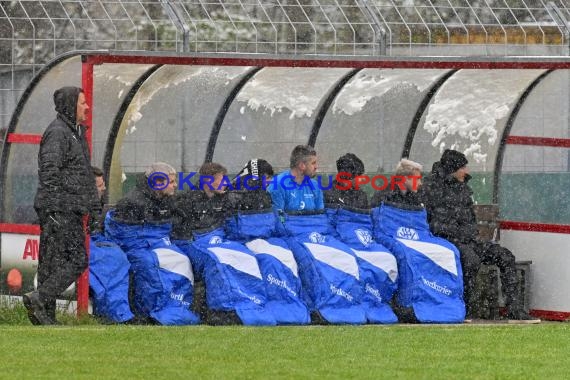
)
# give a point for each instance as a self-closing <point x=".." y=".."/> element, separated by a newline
<point x="403" y="187"/>
<point x="151" y="199"/>
<point x="295" y="189"/>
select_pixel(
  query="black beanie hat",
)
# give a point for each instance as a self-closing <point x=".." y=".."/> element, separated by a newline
<point x="452" y="160"/>
<point x="350" y="163"/>
<point x="257" y="167"/>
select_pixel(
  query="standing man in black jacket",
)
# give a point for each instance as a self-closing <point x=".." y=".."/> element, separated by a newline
<point x="449" y="202"/>
<point x="66" y="193"/>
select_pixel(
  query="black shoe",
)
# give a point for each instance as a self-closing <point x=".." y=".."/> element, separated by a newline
<point x="521" y="316"/>
<point x="222" y="318"/>
<point x="140" y="320"/>
<point x="36" y="311"/>
<point x="26" y="298"/>
<point x="317" y="318"/>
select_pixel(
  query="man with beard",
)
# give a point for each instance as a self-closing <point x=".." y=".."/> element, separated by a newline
<point x="295" y="189"/>
<point x="449" y="202"/>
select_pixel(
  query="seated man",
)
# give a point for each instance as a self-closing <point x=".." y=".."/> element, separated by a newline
<point x="108" y="268"/>
<point x="295" y="189"/>
<point x="449" y="202"/>
<point x="249" y="192"/>
<point x="204" y="209"/>
<point x="141" y="223"/>
<point x="151" y="199"/>
<point x="348" y="166"/>
<point x="100" y="183"/>
<point x="405" y="193"/>
<point x="253" y="225"/>
<point x="419" y="255"/>
<point x="230" y="289"/>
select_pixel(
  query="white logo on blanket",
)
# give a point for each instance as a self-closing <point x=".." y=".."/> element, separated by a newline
<point x="364" y="236"/>
<point x="215" y="240"/>
<point x="316" y="237"/>
<point x="407" y="233"/>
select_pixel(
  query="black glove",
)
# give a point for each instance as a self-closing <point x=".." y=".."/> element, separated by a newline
<point x="95" y="226"/>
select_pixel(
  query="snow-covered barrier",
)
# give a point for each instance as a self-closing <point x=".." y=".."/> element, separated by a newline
<point x="429" y="269"/>
<point x="161" y="273"/>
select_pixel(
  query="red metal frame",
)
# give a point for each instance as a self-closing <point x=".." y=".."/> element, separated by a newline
<point x="535" y="227"/>
<point x="346" y="62"/>
<point x="28" y="229"/>
<point x="90" y="60"/>
<point x="538" y="141"/>
<point x="83" y="280"/>
<point x="550" y="315"/>
<point x="23" y="138"/>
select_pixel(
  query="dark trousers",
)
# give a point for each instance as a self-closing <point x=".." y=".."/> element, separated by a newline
<point x="62" y="256"/>
<point x="474" y="254"/>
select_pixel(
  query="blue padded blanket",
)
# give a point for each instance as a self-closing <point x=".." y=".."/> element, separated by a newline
<point x="328" y="269"/>
<point x="429" y="269"/>
<point x="161" y="273"/>
<point x="378" y="267"/>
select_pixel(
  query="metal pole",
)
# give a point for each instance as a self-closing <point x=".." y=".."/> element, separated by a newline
<point x="377" y="25"/>
<point x="87" y="85"/>
<point x="558" y="16"/>
<point x="172" y="11"/>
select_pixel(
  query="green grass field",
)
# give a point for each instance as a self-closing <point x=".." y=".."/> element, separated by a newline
<point x="87" y="350"/>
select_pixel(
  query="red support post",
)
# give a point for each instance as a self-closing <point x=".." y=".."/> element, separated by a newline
<point x="87" y="85"/>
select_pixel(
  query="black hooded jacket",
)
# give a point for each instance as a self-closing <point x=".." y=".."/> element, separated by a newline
<point x="144" y="205"/>
<point x="251" y="197"/>
<point x="66" y="181"/>
<point x="194" y="211"/>
<point x="345" y="198"/>
<point x="449" y="204"/>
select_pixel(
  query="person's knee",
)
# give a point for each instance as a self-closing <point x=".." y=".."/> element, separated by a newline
<point x="470" y="261"/>
<point x="505" y="257"/>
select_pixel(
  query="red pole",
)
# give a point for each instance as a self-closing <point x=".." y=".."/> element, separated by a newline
<point x="83" y="280"/>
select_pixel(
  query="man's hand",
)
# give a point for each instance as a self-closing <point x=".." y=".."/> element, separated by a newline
<point x="95" y="226"/>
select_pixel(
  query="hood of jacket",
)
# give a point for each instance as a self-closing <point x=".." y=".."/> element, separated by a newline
<point x="65" y="100"/>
